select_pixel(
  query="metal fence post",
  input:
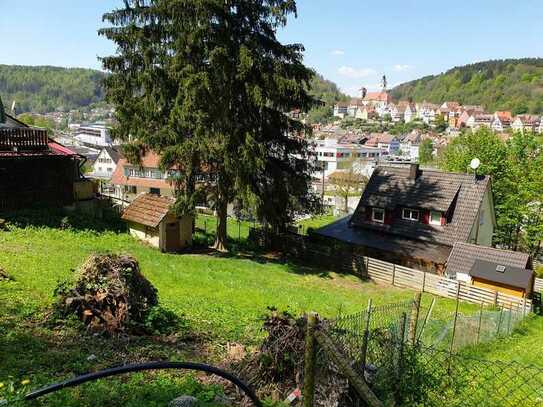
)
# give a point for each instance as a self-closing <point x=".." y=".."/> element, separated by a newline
<point x="414" y="318"/>
<point x="480" y="323"/>
<point x="499" y="323"/>
<point x="423" y="280"/>
<point x="454" y="325"/>
<point x="399" y="372"/>
<point x="309" y="362"/>
<point x="366" y="337"/>
<point x="205" y="226"/>
<point x="510" y="316"/>
<point x="393" y="273"/>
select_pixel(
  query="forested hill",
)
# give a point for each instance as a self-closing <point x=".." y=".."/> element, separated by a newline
<point x="43" y="89"/>
<point x="510" y="84"/>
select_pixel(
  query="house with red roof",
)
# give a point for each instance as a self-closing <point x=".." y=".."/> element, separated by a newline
<point x="130" y="180"/>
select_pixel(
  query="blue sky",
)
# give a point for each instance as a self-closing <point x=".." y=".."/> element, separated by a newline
<point x="352" y="42"/>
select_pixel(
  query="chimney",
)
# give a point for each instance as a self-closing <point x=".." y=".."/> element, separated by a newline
<point x="413" y="171"/>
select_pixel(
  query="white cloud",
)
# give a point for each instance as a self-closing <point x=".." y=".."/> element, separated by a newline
<point x="338" y="52"/>
<point x="400" y="68"/>
<point x="355" y="73"/>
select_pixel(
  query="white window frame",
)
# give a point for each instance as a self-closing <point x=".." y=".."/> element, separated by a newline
<point x="432" y="222"/>
<point x="411" y="212"/>
<point x="373" y="218"/>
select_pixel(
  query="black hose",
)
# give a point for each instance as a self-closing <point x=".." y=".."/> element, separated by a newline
<point x="145" y="366"/>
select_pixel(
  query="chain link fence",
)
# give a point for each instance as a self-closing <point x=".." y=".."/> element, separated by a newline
<point x="407" y="358"/>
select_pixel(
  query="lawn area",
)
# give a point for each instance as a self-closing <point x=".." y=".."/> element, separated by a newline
<point x="222" y="299"/>
<point x="237" y="230"/>
<point x="316" y="222"/>
<point x="524" y="346"/>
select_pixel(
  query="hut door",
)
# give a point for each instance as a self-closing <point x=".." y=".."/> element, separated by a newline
<point x="173" y="239"/>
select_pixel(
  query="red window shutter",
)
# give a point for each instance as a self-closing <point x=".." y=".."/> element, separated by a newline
<point x="443" y="219"/>
<point x="426" y="217"/>
<point x="388" y="217"/>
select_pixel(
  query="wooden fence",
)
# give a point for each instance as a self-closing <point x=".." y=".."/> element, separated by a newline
<point x="389" y="273"/>
<point x="538" y="286"/>
<point x="380" y="271"/>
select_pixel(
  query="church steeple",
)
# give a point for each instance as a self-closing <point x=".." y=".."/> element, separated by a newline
<point x="384" y="83"/>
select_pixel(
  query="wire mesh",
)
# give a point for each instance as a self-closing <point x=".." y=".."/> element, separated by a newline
<point x="433" y="371"/>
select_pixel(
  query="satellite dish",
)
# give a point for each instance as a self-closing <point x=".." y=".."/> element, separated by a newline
<point x="475" y="163"/>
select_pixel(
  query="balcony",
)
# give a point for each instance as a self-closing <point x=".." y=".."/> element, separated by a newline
<point x="23" y="139"/>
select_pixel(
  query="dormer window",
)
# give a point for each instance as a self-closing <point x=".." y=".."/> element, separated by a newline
<point x="378" y="215"/>
<point x="410" y="214"/>
<point x="435" y="218"/>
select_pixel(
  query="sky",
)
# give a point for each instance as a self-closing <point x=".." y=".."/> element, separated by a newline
<point x="351" y="42"/>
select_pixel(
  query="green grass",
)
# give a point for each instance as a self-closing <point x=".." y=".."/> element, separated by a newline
<point x="237" y="230"/>
<point x="316" y="222"/>
<point x="524" y="346"/>
<point x="222" y="298"/>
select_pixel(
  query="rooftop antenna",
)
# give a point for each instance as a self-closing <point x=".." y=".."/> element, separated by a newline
<point x="474" y="164"/>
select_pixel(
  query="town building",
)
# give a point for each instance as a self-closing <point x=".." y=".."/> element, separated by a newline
<point x="427" y="112"/>
<point x="130" y="180"/>
<point x="525" y="123"/>
<point x="413" y="217"/>
<point x="93" y="135"/>
<point x="333" y="156"/>
<point x="150" y="218"/>
<point x="105" y="164"/>
<point x="479" y="120"/>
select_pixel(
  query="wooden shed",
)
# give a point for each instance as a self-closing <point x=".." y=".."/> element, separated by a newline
<point x="150" y="218"/>
<point x="509" y="280"/>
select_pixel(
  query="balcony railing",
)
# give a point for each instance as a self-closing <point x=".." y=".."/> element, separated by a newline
<point x="23" y="139"/>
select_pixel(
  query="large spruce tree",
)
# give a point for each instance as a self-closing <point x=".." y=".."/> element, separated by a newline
<point x="207" y="84"/>
<point x="2" y="112"/>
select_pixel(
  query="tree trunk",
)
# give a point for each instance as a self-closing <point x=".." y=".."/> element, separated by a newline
<point x="221" y="235"/>
<point x="346" y="204"/>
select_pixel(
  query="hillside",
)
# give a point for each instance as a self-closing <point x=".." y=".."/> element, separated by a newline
<point x="327" y="92"/>
<point x="42" y="89"/>
<point x="510" y="84"/>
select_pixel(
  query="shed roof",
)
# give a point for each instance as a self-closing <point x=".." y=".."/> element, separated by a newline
<point x="501" y="274"/>
<point x="148" y="209"/>
<point x="464" y="255"/>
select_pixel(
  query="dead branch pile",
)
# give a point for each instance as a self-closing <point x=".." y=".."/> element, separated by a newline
<point x="110" y="295"/>
<point x="277" y="367"/>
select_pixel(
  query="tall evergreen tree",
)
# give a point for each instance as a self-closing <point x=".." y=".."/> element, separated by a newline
<point x="207" y="84"/>
<point x="2" y="112"/>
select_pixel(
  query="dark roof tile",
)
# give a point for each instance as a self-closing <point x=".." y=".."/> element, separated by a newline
<point x="463" y="256"/>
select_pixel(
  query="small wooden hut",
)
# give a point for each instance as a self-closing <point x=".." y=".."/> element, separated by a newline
<point x="150" y="218"/>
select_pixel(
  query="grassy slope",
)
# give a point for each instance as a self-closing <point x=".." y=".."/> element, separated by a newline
<point x="524" y="346"/>
<point x="317" y="221"/>
<point x="221" y="297"/>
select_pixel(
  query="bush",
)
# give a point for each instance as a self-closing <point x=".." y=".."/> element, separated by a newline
<point x="539" y="271"/>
